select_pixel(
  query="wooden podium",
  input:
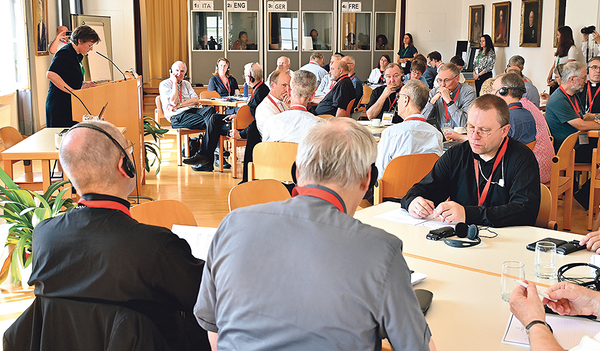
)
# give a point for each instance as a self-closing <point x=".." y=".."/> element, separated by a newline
<point x="124" y="109"/>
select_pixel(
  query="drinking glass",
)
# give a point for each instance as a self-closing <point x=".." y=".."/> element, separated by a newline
<point x="511" y="271"/>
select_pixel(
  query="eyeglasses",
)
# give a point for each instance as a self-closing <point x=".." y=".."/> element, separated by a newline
<point x="481" y="132"/>
<point x="445" y="81"/>
<point x="91" y="45"/>
<point x="595" y="68"/>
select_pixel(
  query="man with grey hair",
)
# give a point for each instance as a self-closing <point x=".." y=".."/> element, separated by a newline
<point x="358" y="85"/>
<point x="414" y="135"/>
<point x="253" y="273"/>
<point x="315" y="65"/>
<point x="283" y="64"/>
<point x="112" y="258"/>
<point x="510" y="87"/>
<point x="515" y="65"/>
<point x="342" y="92"/>
<point x="328" y="81"/>
<point x="291" y="125"/>
<point x="564" y="113"/>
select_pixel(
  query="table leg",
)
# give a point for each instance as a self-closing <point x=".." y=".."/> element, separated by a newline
<point x="8" y="168"/>
<point x="46" y="176"/>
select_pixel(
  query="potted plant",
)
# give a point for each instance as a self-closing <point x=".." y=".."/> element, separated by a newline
<point x="23" y="210"/>
<point x="151" y="127"/>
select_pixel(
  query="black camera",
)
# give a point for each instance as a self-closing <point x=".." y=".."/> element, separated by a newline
<point x="588" y="30"/>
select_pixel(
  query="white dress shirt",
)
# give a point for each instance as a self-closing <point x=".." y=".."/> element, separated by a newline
<point x="269" y="107"/>
<point x="289" y="126"/>
<point x="165" y="90"/>
<point x="315" y="68"/>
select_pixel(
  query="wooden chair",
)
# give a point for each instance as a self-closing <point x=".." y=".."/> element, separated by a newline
<point x="241" y="121"/>
<point x="531" y="145"/>
<point x="594" y="185"/>
<point x="543" y="218"/>
<point x="29" y="180"/>
<point x="349" y="108"/>
<point x="181" y="133"/>
<point x="401" y="174"/>
<point x="163" y="213"/>
<point x="272" y="161"/>
<point x="326" y="116"/>
<point x="561" y="179"/>
<point x="209" y="94"/>
<point x="364" y="101"/>
<point x="257" y="192"/>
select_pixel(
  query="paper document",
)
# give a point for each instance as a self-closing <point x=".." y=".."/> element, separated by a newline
<point x="401" y="215"/>
<point x="199" y="238"/>
<point x="568" y="331"/>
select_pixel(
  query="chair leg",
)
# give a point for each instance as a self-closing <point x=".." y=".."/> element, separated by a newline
<point x="179" y="148"/>
<point x="233" y="159"/>
<point x="567" y="214"/>
<point x="221" y="151"/>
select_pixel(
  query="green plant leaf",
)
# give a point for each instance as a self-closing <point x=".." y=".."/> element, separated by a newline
<point x="7" y="180"/>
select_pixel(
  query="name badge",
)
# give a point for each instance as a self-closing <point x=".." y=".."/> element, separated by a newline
<point x="387" y="118"/>
<point x="584" y="139"/>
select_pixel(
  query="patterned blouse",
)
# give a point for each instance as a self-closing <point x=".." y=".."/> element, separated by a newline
<point x="485" y="63"/>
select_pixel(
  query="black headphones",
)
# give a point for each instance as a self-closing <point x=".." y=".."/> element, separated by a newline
<point x="592" y="283"/>
<point x="504" y="90"/>
<point x="463" y="230"/>
<point x="185" y="76"/>
<point x="372" y="182"/>
<point x="252" y="79"/>
<point x="128" y="166"/>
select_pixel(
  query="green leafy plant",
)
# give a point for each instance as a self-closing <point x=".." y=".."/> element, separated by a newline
<point x="151" y="147"/>
<point x="23" y="211"/>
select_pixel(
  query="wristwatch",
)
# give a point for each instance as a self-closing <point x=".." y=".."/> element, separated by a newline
<point x="597" y="117"/>
<point x="537" y="321"/>
<point x="450" y="103"/>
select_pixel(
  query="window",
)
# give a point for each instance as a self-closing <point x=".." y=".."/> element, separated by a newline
<point x="243" y="30"/>
<point x="384" y="31"/>
<point x="317" y="32"/>
<point x="356" y="31"/>
<point x="12" y="27"/>
<point x="208" y="30"/>
<point x="283" y="31"/>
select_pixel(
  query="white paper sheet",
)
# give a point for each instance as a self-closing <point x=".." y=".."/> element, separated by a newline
<point x="199" y="238"/>
<point x="401" y="215"/>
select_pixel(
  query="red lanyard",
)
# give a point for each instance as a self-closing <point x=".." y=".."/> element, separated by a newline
<point x="334" y="83"/>
<point x="113" y="205"/>
<point x="514" y="107"/>
<point x="320" y="194"/>
<point x="314" y="63"/>
<point x="446" y="105"/>
<point x="254" y="89"/>
<point x="298" y="107"/>
<point x="416" y="119"/>
<point x="226" y="84"/>
<point x="392" y="103"/>
<point x="499" y="157"/>
<point x="352" y="76"/>
<point x="274" y="103"/>
<point x="381" y="76"/>
<point x="576" y="109"/>
<point x="590" y="95"/>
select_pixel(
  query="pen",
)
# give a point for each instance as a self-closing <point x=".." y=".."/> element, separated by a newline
<point x="541" y="293"/>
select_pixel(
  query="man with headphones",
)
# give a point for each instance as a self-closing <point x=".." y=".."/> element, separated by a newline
<point x="490" y="180"/>
<point x="97" y="252"/>
<point x="349" y="283"/>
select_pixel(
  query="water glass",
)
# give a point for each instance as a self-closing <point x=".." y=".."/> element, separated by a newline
<point x="511" y="271"/>
<point x="545" y="260"/>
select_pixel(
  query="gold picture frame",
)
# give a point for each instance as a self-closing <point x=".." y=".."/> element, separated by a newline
<point x="40" y="20"/>
<point x="475" y="24"/>
<point x="559" y="17"/>
<point x="531" y="23"/>
<point x="501" y="23"/>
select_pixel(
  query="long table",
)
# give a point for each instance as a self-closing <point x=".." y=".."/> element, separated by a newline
<point x="221" y="103"/>
<point x="467" y="312"/>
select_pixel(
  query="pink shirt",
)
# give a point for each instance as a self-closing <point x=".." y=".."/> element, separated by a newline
<point x="543" y="150"/>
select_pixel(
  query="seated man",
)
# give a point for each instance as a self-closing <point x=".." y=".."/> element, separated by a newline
<point x="328" y="81"/>
<point x="336" y="101"/>
<point x="97" y="252"/>
<point x="283" y="64"/>
<point x="460" y="63"/>
<point x="384" y="98"/>
<point x="315" y="65"/>
<point x="277" y="100"/>
<point x="515" y="65"/>
<point x="449" y="103"/>
<point x="252" y="276"/>
<point x="358" y="85"/>
<point x="434" y="61"/>
<point x="414" y="135"/>
<point x="290" y="126"/>
<point x="417" y="68"/>
<point x="491" y="180"/>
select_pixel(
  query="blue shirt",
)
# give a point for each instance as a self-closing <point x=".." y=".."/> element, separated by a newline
<point x="522" y="124"/>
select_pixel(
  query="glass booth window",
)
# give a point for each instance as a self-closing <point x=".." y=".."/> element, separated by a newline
<point x="243" y="30"/>
<point x="356" y="31"/>
<point x="208" y="30"/>
<point x="384" y="29"/>
<point x="317" y="31"/>
<point x="283" y="31"/>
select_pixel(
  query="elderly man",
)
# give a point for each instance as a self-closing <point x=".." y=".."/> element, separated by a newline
<point x="283" y="64"/>
<point x="490" y="180"/>
<point x="328" y="81"/>
<point x="414" y="135"/>
<point x="384" y="98"/>
<point x="448" y="104"/>
<point x="291" y="125"/>
<point x="315" y="65"/>
<point x="97" y="252"/>
<point x="336" y="102"/>
<point x="515" y="65"/>
<point x="358" y="85"/>
<point x="252" y="275"/>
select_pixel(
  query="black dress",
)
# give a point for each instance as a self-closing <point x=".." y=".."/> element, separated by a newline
<point x="67" y="64"/>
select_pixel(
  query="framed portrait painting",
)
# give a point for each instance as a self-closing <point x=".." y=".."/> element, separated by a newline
<point x="559" y="17"/>
<point x="40" y="20"/>
<point x="501" y="23"/>
<point x="475" y="24"/>
<point x="531" y="22"/>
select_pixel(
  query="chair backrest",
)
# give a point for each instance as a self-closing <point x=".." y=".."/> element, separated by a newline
<point x="531" y="145"/>
<point x="273" y="160"/>
<point x="564" y="153"/>
<point x="243" y="118"/>
<point x="367" y="91"/>
<point x="350" y="108"/>
<point x="160" y="113"/>
<point x="404" y="171"/>
<point x="545" y="206"/>
<point x="163" y="213"/>
<point x="257" y="192"/>
<point x="326" y="116"/>
<point x="10" y="136"/>
<point x="208" y="94"/>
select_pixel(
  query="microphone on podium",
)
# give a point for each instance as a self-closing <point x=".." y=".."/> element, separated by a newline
<point x="72" y="93"/>
<point x="109" y="60"/>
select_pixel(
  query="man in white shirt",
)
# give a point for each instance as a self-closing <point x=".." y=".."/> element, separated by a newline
<point x="283" y="64"/>
<point x="316" y="66"/>
<point x="327" y="81"/>
<point x="291" y="125"/>
<point x="276" y="102"/>
<point x="414" y="135"/>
